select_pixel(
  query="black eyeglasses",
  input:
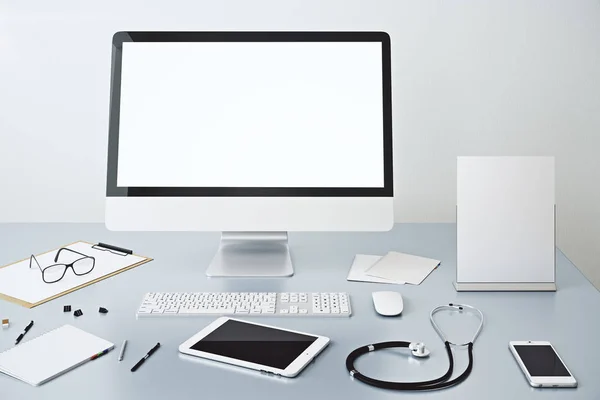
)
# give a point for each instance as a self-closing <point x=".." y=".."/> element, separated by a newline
<point x="56" y="272"/>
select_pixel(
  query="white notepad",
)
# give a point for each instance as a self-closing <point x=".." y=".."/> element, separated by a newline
<point x="52" y="354"/>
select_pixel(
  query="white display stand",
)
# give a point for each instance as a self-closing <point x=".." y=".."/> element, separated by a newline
<point x="505" y="224"/>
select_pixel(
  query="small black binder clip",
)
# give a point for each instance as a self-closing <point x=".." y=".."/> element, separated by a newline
<point x="78" y="313"/>
<point x="103" y="310"/>
<point x="67" y="309"/>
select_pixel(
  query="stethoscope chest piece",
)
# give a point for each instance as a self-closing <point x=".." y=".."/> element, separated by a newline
<point x="418" y="349"/>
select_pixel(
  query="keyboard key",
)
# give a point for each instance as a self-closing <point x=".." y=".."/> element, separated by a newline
<point x="211" y="311"/>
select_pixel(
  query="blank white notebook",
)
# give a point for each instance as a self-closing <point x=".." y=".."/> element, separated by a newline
<point x="51" y="354"/>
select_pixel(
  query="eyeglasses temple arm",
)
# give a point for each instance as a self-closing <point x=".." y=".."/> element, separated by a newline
<point x="72" y="251"/>
<point x="36" y="261"/>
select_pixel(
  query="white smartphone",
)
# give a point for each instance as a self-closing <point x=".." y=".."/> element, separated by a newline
<point x="261" y="347"/>
<point x="541" y="364"/>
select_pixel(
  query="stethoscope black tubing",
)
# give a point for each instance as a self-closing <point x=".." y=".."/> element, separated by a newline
<point x="434" y="384"/>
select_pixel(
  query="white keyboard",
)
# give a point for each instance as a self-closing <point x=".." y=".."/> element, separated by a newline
<point x="160" y="304"/>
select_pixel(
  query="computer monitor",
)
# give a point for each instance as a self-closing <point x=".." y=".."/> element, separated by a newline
<point x="253" y="134"/>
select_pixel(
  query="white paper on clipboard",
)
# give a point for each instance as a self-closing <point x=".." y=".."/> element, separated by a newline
<point x="25" y="284"/>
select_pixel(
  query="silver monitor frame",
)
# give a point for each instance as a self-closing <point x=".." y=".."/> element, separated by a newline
<point x="254" y="220"/>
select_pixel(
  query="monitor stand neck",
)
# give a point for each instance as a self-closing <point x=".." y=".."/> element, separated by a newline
<point x="252" y="254"/>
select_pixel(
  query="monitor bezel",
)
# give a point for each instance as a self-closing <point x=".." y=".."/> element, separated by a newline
<point x="112" y="190"/>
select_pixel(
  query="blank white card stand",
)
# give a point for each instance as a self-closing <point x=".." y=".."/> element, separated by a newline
<point x="505" y="224"/>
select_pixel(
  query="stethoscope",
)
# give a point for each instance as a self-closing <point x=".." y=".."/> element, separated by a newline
<point x="419" y="350"/>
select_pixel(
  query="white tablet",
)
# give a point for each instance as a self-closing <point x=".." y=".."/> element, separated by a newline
<point x="255" y="346"/>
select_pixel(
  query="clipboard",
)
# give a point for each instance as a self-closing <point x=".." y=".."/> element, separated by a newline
<point x="24" y="286"/>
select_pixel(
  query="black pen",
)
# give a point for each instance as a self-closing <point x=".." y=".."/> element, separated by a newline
<point x="139" y="364"/>
<point x="27" y="328"/>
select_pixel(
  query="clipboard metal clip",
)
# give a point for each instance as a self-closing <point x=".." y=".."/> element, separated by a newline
<point x="120" y="251"/>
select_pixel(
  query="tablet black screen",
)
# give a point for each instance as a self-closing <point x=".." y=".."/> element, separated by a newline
<point x="254" y="343"/>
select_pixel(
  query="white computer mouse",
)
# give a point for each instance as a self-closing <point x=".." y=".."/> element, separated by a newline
<point x="388" y="304"/>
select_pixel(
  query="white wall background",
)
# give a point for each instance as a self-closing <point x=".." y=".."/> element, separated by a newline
<point x="504" y="77"/>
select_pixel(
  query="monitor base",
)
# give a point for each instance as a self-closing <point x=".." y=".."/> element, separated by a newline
<point x="252" y="254"/>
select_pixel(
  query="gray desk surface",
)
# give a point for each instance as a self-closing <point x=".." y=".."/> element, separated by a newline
<point x="568" y="318"/>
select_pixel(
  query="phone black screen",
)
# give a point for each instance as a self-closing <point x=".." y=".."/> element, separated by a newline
<point x="541" y="361"/>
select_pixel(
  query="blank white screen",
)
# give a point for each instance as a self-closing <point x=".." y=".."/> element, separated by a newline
<point x="281" y="114"/>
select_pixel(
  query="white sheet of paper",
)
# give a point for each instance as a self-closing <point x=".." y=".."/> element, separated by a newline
<point x="401" y="267"/>
<point x="361" y="263"/>
<point x="24" y="283"/>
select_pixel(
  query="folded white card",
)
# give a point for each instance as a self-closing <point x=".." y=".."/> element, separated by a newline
<point x="403" y="268"/>
<point x="361" y="263"/>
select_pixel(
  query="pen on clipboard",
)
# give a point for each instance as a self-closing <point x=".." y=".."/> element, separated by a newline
<point x="106" y="246"/>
